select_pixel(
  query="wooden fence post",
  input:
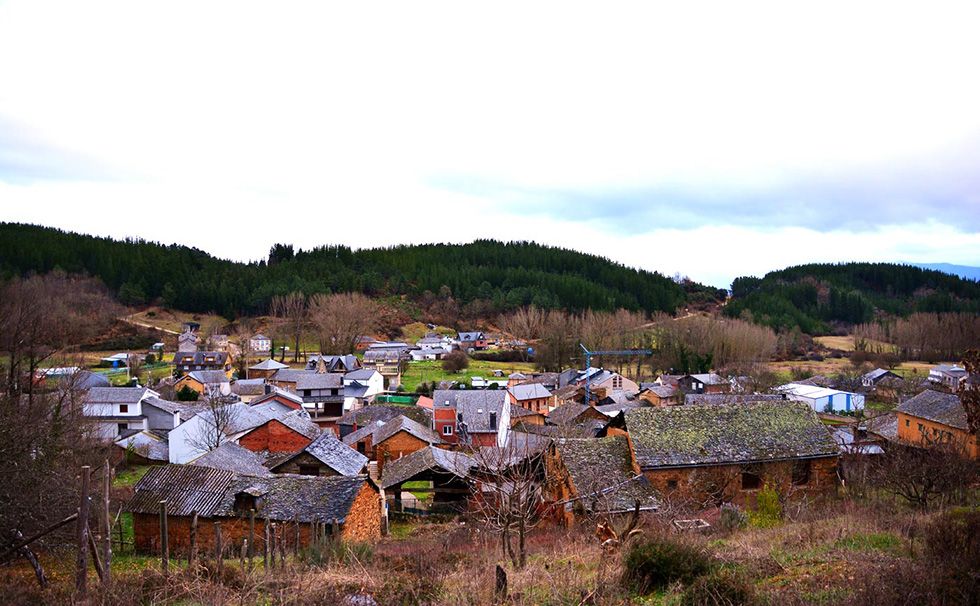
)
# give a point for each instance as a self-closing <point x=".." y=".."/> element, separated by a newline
<point x="219" y="551"/>
<point x="107" y="523"/>
<point x="81" y="561"/>
<point x="164" y="539"/>
<point x="251" y="536"/>
<point x="245" y="547"/>
<point x="265" y="546"/>
<point x="296" y="545"/>
<point x="192" y="552"/>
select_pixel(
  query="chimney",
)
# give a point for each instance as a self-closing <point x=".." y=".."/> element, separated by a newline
<point x="493" y="421"/>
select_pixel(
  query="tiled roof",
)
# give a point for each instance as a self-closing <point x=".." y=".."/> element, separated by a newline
<point x="269" y="364"/>
<point x="232" y="457"/>
<point x="164" y="405"/>
<point x="384" y="413"/>
<point x="474" y="404"/>
<point x="426" y="459"/>
<point x="361" y="374"/>
<point x="403" y="423"/>
<point x="566" y="413"/>
<point x="248" y="387"/>
<point x="885" y="425"/>
<point x="529" y="391"/>
<point x="115" y="395"/>
<point x="944" y="408"/>
<point x="517" y="412"/>
<point x="211" y="492"/>
<point x="334" y="454"/>
<point x="147" y="445"/>
<point x="601" y="472"/>
<point x="719" y="434"/>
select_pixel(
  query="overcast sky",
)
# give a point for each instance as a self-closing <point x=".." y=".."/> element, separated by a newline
<point x="714" y="140"/>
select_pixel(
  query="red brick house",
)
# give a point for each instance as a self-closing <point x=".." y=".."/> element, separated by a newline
<point x="349" y="506"/>
<point x="399" y="437"/>
<point x="288" y="433"/>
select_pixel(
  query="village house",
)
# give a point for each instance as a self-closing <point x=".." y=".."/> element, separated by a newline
<point x="822" y="399"/>
<point x="472" y="341"/>
<point x="205" y="382"/>
<point x="322" y="392"/>
<point x="661" y="395"/>
<point x="116" y="412"/>
<point x="398" y="437"/>
<point x="432" y="340"/>
<point x="871" y="379"/>
<point x="349" y="507"/>
<point x="948" y="375"/>
<point x="187" y="342"/>
<point x="599" y="380"/>
<point x="575" y="419"/>
<point x="388" y="359"/>
<point x="186" y="362"/>
<point x="265" y="369"/>
<point x="935" y="418"/>
<point x="287" y="432"/>
<point x="361" y="386"/>
<point x="218" y="342"/>
<point x="596" y="476"/>
<point x="260" y="344"/>
<point x="713" y="454"/>
<point x="285" y="399"/>
<point x="324" y="456"/>
<point x="362" y="439"/>
<point x="428" y="353"/>
<point x="143" y="448"/>
<point x="353" y="420"/>
<point x="522" y="416"/>
<point x="532" y="396"/>
<point x="707" y="383"/>
<point x="445" y="473"/>
<point x="232" y="457"/>
<point x="477" y="417"/>
<point x="341" y="364"/>
<point x="248" y="390"/>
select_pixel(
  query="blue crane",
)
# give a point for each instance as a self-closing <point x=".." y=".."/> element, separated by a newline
<point x="612" y="352"/>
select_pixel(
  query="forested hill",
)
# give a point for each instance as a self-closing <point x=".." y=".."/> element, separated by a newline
<point x="494" y="276"/>
<point x="815" y="296"/>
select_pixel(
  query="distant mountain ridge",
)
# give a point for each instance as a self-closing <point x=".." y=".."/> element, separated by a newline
<point x="968" y="272"/>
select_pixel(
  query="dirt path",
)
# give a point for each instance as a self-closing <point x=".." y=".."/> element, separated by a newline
<point x="130" y="320"/>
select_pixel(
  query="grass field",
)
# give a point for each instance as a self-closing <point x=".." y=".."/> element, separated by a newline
<point x="846" y="343"/>
<point x="428" y="371"/>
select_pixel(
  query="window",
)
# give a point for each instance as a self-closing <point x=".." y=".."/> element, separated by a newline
<point x="447" y="430"/>
<point x="309" y="470"/>
<point x="123" y="408"/>
<point x="907" y="423"/>
<point x="801" y="473"/>
<point x="751" y="480"/>
<point x="122" y="428"/>
<point x="360" y="447"/>
<point x="493" y="421"/>
<point x="671" y="484"/>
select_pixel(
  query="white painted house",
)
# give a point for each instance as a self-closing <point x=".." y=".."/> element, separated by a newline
<point x="361" y="386"/>
<point x="116" y="411"/>
<point x="823" y="399"/>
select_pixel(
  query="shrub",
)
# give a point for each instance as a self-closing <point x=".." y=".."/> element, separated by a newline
<point x="455" y="361"/>
<point x="656" y="563"/>
<point x="151" y="358"/>
<point x="952" y="550"/>
<point x="186" y="394"/>
<point x="719" y="588"/>
<point x="768" y="511"/>
<point x="732" y="517"/>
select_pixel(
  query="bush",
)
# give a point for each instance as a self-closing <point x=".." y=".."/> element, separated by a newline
<point x="768" y="511"/>
<point x="719" y="588"/>
<point x="455" y="361"/>
<point x="952" y="553"/>
<point x="732" y="517"/>
<point x="657" y="563"/>
<point x="151" y="358"/>
<point x="186" y="394"/>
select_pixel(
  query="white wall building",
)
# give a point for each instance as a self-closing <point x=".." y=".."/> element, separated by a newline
<point x="823" y="399"/>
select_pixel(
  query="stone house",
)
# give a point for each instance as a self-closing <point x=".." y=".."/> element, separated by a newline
<point x="290" y="432"/>
<point x="399" y="437"/>
<point x="349" y="507"/>
<point x="478" y="417"/>
<point x="936" y="418"/>
<point x="324" y="456"/>
<point x="712" y="454"/>
<point x="532" y="396"/>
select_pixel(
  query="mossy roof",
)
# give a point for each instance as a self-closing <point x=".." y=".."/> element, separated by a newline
<point x="680" y="436"/>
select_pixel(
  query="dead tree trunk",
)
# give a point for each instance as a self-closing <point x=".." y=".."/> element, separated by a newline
<point x="42" y="580"/>
<point x="164" y="539"/>
<point x="192" y="548"/>
<point x="81" y="561"/>
<point x="107" y="524"/>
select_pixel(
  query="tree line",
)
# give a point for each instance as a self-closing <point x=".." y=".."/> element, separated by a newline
<point x="488" y="276"/>
<point x="817" y="298"/>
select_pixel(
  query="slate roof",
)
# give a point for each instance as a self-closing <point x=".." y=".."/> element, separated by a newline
<point x="885" y="425"/>
<point x="566" y="413"/>
<point x="165" y="405"/>
<point x="602" y="468"/>
<point x="232" y="457"/>
<point x="384" y="413"/>
<point x="334" y="454"/>
<point x="471" y="336"/>
<point x="517" y="412"/>
<point x="115" y="395"/>
<point x="529" y="391"/>
<point x="356" y="436"/>
<point x="474" y="404"/>
<point x="345" y="363"/>
<point x="312" y="380"/>
<point x="269" y="364"/>
<point x="299" y="421"/>
<point x="361" y="374"/>
<point x="731" y="398"/>
<point x="876" y="374"/>
<point x="678" y="436"/>
<point x="355" y="390"/>
<point x="192" y="358"/>
<point x="211" y="492"/>
<point x="943" y="408"/>
<point x="209" y="377"/>
<point x="147" y="445"/>
<point x="709" y="378"/>
<point x="662" y="391"/>
<point x="248" y="387"/>
<point x="403" y="423"/>
<point x="426" y="459"/>
<point x="86" y="379"/>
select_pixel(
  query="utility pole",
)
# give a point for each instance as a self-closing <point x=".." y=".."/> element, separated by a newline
<point x="614" y="352"/>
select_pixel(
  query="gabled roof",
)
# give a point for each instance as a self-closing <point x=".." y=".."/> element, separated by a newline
<point x="601" y="471"/>
<point x="678" y="436"/>
<point x="936" y="406"/>
<point x="426" y="459"/>
<point x="259" y="337"/>
<point x="165" y="405"/>
<point x="232" y="457"/>
<point x="269" y="364"/>
<point x="117" y="395"/>
<point x="199" y="357"/>
<point x="361" y="374"/>
<point x="567" y="413"/>
<point x="280" y="394"/>
<point x="333" y="453"/>
<point x="885" y="425"/>
<point x="147" y="444"/>
<point x="356" y="436"/>
<point x="211" y="492"/>
<point x="299" y="421"/>
<point x="877" y="374"/>
<point x="661" y="391"/>
<point x="517" y="412"/>
<point x="334" y="363"/>
<point x="475" y="405"/>
<point x="209" y="377"/>
<point x="403" y="423"/>
<point x="384" y="413"/>
<point x="529" y="391"/>
<point x="471" y="336"/>
<point x="248" y="387"/>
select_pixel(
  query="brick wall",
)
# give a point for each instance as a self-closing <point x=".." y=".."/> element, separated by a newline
<point x="706" y="486"/>
<point x="395" y="447"/>
<point x="274" y="437"/>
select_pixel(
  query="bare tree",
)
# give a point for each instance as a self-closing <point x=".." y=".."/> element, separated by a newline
<point x="217" y="422"/>
<point x="508" y="499"/>
<point x="341" y="319"/>
<point x="969" y="390"/>
<point x="937" y="472"/>
<point x="293" y="314"/>
<point x="134" y="362"/>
